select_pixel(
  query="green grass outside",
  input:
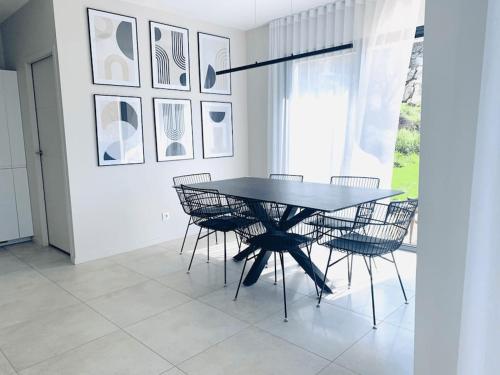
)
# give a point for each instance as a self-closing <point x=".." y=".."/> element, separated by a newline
<point x="405" y="175"/>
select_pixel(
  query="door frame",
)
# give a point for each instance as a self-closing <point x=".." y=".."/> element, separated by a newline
<point x="36" y="180"/>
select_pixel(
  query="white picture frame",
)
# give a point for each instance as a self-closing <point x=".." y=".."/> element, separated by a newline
<point x="214" y="54"/>
<point x="217" y="129"/>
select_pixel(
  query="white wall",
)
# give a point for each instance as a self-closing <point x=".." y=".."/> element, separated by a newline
<point x="258" y="101"/>
<point x="27" y="35"/>
<point x="2" y="60"/>
<point x="117" y="209"/>
<point x="453" y="64"/>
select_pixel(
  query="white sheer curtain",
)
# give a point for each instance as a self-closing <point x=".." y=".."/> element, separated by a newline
<point x="338" y="113"/>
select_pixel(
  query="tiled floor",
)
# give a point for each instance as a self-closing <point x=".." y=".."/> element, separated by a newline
<point x="140" y="313"/>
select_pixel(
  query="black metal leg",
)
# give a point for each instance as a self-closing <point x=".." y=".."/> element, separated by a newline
<point x="349" y="269"/>
<point x="208" y="245"/>
<point x="241" y="278"/>
<point x="369" y="267"/>
<point x="194" y="250"/>
<point x="225" y="259"/>
<point x="399" y="277"/>
<point x="216" y="239"/>
<point x="244" y="253"/>
<point x="275" y="271"/>
<point x="185" y="234"/>
<point x="313" y="272"/>
<point x="324" y="280"/>
<point x="257" y="267"/>
<point x="284" y="286"/>
<point x="309" y="249"/>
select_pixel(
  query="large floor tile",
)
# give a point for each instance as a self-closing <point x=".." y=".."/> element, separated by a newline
<point x="254" y="303"/>
<point x="387" y="300"/>
<point x="26" y="344"/>
<point x="65" y="270"/>
<point x="130" y="305"/>
<point x="173" y="371"/>
<point x="327" y="331"/>
<point x="134" y="255"/>
<point x="113" y="354"/>
<point x="334" y="369"/>
<point x="15" y="283"/>
<point x="385" y="351"/>
<point x="31" y="303"/>
<point x="10" y="263"/>
<point x="39" y="257"/>
<point x="202" y="279"/>
<point x="159" y="264"/>
<point x="253" y="351"/>
<point x="404" y="316"/>
<point x="5" y="367"/>
<point x="97" y="282"/>
<point x="182" y="332"/>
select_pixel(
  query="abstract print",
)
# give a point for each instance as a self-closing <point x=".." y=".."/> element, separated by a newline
<point x="119" y="130"/>
<point x="170" y="61"/>
<point x="215" y="56"/>
<point x="113" y="42"/>
<point x="174" y="130"/>
<point x="217" y="119"/>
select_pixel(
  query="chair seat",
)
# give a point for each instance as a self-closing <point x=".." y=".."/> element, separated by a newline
<point x="226" y="223"/>
<point x="332" y="222"/>
<point x="361" y="244"/>
<point x="279" y="241"/>
<point x="211" y="211"/>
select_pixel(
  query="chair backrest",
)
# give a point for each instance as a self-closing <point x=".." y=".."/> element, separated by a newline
<point x="401" y="213"/>
<point x="286" y="177"/>
<point x="201" y="203"/>
<point x="356" y="181"/>
<point x="245" y="209"/>
<point x="187" y="180"/>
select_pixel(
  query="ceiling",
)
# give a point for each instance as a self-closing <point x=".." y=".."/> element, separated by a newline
<point x="9" y="7"/>
<point x="239" y="14"/>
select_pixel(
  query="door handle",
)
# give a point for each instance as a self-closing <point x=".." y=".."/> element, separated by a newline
<point x="39" y="152"/>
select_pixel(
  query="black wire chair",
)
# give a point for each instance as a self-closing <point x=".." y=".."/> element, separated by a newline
<point x="343" y="220"/>
<point x="211" y="211"/>
<point x="372" y="237"/>
<point x="189" y="179"/>
<point x="286" y="177"/>
<point x="260" y="237"/>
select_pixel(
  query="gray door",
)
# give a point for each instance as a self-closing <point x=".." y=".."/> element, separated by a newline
<point x="51" y="153"/>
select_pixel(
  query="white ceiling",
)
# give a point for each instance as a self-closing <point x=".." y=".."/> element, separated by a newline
<point x="9" y="7"/>
<point x="239" y="14"/>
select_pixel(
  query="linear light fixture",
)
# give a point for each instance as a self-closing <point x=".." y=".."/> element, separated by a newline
<point x="419" y="33"/>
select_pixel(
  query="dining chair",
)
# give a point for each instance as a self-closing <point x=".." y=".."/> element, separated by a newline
<point x="343" y="220"/>
<point x="374" y="237"/>
<point x="277" y="242"/>
<point x="189" y="179"/>
<point x="209" y="210"/>
<point x="286" y="177"/>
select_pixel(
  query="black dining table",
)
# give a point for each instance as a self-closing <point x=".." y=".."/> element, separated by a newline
<point x="301" y="201"/>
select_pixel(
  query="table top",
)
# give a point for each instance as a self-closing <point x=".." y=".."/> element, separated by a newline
<point x="321" y="197"/>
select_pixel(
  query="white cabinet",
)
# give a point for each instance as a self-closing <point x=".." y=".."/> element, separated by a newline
<point x="15" y="206"/>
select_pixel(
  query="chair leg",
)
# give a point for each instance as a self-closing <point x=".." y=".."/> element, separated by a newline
<point x="194" y="251"/>
<point x="349" y="270"/>
<point x="309" y="249"/>
<point x="225" y="259"/>
<point x="208" y="245"/>
<point x="275" y="270"/>
<point x="369" y="267"/>
<point x="284" y="286"/>
<point x="241" y="278"/>
<point x="324" y="278"/>
<point x="185" y="235"/>
<point x="399" y="277"/>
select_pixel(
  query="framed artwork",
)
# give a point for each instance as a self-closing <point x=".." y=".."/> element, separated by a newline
<point x="214" y="54"/>
<point x="217" y="129"/>
<point x="174" y="129"/>
<point x="119" y="130"/>
<point x="170" y="57"/>
<point x="113" y="49"/>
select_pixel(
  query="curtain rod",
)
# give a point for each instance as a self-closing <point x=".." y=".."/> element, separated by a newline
<point x="419" y="33"/>
<point x="286" y="58"/>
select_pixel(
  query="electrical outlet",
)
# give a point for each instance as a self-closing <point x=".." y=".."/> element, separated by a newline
<point x="165" y="216"/>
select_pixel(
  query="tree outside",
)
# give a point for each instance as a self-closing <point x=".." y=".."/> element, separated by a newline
<point x="407" y="153"/>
